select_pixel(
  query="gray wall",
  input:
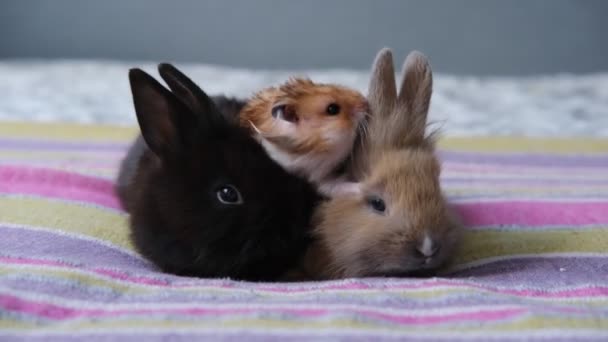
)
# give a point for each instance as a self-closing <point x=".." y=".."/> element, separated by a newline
<point x="462" y="37"/>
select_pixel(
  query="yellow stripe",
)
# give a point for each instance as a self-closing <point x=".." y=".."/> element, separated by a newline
<point x="82" y="279"/>
<point x="67" y="131"/>
<point x="112" y="324"/>
<point x="98" y="223"/>
<point x="478" y="245"/>
<point x="516" y="144"/>
<point x="555" y="322"/>
<point x="70" y="132"/>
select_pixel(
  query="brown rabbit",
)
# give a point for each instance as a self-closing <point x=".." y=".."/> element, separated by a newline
<point x="399" y="223"/>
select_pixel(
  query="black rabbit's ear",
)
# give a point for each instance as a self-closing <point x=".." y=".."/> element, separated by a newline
<point x="187" y="91"/>
<point x="163" y="119"/>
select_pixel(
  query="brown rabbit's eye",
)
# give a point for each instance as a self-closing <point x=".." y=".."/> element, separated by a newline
<point x="333" y="109"/>
<point x="376" y="203"/>
<point x="228" y="194"/>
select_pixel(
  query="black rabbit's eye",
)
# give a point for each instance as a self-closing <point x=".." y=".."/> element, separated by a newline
<point x="228" y="194"/>
<point x="376" y="203"/>
<point x="333" y="109"/>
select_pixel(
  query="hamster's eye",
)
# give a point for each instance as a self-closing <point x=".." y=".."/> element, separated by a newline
<point x="333" y="109"/>
<point x="228" y="194"/>
<point x="376" y="203"/>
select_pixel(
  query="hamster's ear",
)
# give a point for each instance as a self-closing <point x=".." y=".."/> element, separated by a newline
<point x="285" y="111"/>
<point x="188" y="92"/>
<point x="415" y="95"/>
<point x="381" y="92"/>
<point x="163" y="119"/>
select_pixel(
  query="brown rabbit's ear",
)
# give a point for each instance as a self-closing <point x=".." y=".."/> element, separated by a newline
<point x="415" y="96"/>
<point x="381" y="92"/>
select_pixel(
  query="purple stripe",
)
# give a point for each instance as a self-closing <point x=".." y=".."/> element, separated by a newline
<point x="42" y="244"/>
<point x="217" y="335"/>
<point x="559" y="281"/>
<point x="527" y="159"/>
<point x="544" y="273"/>
<point x="43" y="285"/>
<point x="298" y="334"/>
<point x="27" y="144"/>
<point x="515" y="181"/>
<point x="61" y="287"/>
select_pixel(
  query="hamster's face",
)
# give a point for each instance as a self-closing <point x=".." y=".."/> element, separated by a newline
<point x="319" y="118"/>
<point x="237" y="211"/>
<point x="399" y="225"/>
<point x="331" y="117"/>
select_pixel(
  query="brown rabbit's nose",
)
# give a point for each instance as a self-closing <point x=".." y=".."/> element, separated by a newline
<point x="427" y="248"/>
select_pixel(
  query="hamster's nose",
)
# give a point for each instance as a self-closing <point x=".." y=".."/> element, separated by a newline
<point x="428" y="248"/>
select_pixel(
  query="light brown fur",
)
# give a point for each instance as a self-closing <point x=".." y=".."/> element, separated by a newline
<point x="317" y="143"/>
<point x="395" y="162"/>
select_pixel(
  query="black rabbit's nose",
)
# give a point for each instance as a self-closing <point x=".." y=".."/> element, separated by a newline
<point x="427" y="248"/>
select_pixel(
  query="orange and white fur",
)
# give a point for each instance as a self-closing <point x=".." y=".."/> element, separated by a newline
<point x="308" y="128"/>
<point x="400" y="223"/>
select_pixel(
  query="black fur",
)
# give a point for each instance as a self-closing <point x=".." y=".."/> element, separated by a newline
<point x="168" y="183"/>
<point x="229" y="106"/>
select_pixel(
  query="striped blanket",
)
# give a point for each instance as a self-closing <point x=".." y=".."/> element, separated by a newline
<point x="534" y="263"/>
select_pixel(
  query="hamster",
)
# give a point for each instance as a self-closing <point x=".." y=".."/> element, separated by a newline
<point x="204" y="197"/>
<point x="308" y="128"/>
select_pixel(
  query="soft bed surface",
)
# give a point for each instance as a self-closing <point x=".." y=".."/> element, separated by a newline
<point x="534" y="263"/>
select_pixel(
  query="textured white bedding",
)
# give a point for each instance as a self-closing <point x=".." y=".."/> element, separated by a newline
<point x="98" y="92"/>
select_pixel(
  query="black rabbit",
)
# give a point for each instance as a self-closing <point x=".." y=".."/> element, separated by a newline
<point x="204" y="197"/>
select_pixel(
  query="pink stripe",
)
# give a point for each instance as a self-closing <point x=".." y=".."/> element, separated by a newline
<point x="482" y="315"/>
<point x="57" y="312"/>
<point x="72" y="186"/>
<point x="126" y="277"/>
<point x="54" y="163"/>
<point x="57" y="184"/>
<point x="531" y="213"/>
<point x="595" y="291"/>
